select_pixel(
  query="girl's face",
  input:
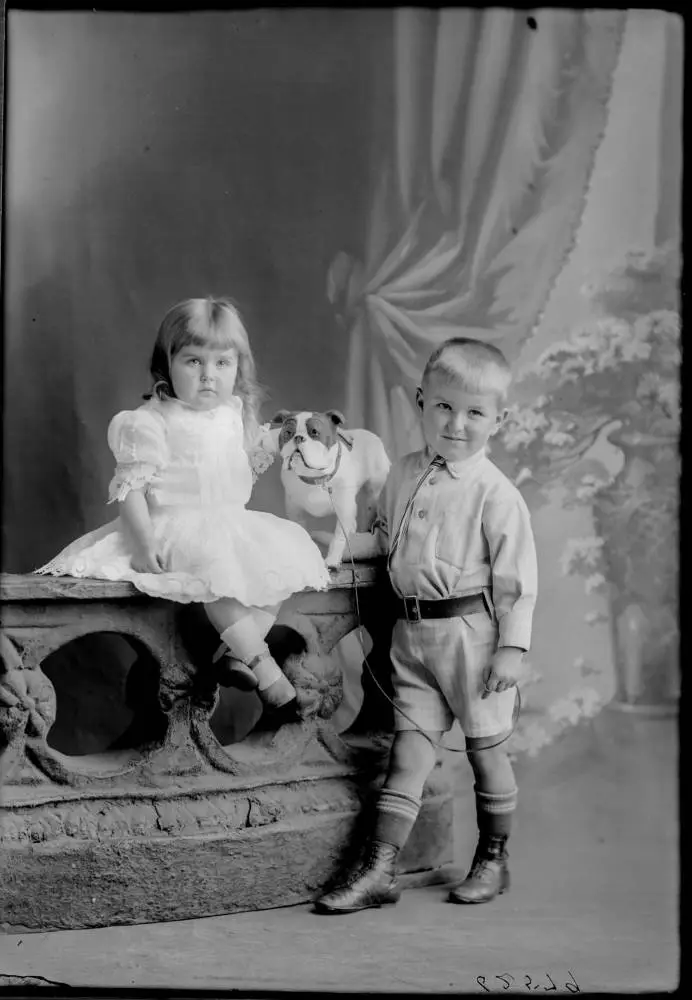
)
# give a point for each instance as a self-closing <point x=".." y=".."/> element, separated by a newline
<point x="204" y="377"/>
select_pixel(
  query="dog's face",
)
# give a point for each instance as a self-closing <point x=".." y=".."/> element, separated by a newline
<point x="308" y="441"/>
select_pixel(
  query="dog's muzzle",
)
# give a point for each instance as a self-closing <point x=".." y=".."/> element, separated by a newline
<point x="297" y="453"/>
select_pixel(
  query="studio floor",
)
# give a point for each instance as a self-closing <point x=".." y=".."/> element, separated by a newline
<point x="594" y="901"/>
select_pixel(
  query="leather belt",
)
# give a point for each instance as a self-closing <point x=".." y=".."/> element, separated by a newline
<point x="413" y="609"/>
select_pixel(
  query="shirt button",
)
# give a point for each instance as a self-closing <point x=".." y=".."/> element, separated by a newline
<point x="432" y="480"/>
<point x="421" y="513"/>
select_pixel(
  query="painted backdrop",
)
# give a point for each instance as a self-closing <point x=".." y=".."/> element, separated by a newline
<point x="363" y="184"/>
<point x="151" y="158"/>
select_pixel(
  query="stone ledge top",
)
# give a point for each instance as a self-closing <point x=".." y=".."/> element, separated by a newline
<point x="33" y="587"/>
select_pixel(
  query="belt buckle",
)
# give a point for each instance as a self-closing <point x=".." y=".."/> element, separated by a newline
<point x="412" y="609"/>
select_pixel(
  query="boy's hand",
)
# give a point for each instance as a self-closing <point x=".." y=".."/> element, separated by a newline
<point x="364" y="545"/>
<point x="147" y="560"/>
<point x="505" y="671"/>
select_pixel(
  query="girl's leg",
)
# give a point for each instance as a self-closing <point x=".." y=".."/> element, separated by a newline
<point x="231" y="671"/>
<point x="243" y="630"/>
<point x="227" y="611"/>
<point x="373" y="882"/>
<point x="496" y="800"/>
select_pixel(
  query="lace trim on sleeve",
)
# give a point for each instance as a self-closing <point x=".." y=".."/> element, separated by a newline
<point x="260" y="459"/>
<point x="128" y="478"/>
<point x="259" y="456"/>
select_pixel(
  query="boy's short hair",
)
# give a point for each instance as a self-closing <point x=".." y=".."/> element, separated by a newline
<point x="478" y="366"/>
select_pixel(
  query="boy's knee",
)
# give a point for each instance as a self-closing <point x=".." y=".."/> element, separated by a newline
<point x="486" y="760"/>
<point x="413" y="752"/>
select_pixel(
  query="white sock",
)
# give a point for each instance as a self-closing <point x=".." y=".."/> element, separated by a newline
<point x="266" y="671"/>
<point x="245" y="642"/>
<point x="264" y="618"/>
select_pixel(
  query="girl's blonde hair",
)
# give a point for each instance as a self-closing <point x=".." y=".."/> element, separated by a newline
<point x="207" y="322"/>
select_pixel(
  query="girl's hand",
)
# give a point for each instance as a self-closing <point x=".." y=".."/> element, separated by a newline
<point x="137" y="527"/>
<point x="147" y="561"/>
<point x="505" y="671"/>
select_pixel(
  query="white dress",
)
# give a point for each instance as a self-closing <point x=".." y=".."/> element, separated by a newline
<point x="198" y="479"/>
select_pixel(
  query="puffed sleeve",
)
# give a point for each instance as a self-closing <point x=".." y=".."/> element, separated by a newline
<point x="137" y="439"/>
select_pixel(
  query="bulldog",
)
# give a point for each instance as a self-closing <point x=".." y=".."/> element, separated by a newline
<point x="326" y="469"/>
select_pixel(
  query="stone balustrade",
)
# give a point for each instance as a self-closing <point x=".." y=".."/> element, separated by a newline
<point x="170" y="821"/>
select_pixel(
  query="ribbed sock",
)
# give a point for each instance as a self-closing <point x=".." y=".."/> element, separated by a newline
<point x="395" y="814"/>
<point x="494" y="812"/>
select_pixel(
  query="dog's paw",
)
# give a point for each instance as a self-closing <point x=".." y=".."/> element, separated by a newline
<point x="334" y="557"/>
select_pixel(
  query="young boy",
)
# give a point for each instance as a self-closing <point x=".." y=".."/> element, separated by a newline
<point x="462" y="562"/>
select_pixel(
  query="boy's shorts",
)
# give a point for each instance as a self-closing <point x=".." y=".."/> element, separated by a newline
<point x="438" y="676"/>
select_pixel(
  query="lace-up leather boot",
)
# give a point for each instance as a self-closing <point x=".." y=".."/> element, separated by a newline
<point x="489" y="875"/>
<point x="372" y="883"/>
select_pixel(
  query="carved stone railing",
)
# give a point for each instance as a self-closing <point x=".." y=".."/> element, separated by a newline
<point x="174" y="823"/>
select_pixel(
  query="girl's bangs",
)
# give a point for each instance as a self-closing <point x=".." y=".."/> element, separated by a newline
<point x="222" y="332"/>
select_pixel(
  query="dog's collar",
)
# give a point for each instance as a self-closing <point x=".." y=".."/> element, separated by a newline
<point x="323" y="480"/>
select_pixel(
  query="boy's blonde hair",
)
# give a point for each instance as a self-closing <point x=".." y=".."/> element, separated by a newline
<point x="475" y="365"/>
<point x="207" y="322"/>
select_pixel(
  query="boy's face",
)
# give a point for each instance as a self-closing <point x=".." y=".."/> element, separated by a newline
<point x="457" y="423"/>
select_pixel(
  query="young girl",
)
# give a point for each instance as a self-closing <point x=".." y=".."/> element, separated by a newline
<point x="186" y="460"/>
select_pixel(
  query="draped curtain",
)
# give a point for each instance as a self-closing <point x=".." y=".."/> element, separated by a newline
<point x="490" y="130"/>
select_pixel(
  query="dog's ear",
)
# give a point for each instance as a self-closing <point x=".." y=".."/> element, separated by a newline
<point x="279" y="418"/>
<point x="336" y="417"/>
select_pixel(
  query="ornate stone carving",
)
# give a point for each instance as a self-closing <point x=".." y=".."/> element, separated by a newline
<point x="27" y="706"/>
<point x="216" y="828"/>
<point x="42" y="614"/>
<point x="318" y="682"/>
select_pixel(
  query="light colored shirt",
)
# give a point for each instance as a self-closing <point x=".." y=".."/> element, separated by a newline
<point x="452" y="529"/>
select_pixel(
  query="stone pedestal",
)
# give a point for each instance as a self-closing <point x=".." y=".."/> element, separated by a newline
<point x="178" y="825"/>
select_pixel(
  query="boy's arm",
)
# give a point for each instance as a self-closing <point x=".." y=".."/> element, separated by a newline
<point x="507" y="526"/>
<point x="365" y="545"/>
<point x="374" y="543"/>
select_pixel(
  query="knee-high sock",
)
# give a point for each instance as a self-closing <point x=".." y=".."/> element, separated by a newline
<point x="395" y="814"/>
<point x="494" y="812"/>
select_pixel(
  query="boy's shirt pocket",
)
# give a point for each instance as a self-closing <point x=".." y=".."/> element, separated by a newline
<point x="459" y="539"/>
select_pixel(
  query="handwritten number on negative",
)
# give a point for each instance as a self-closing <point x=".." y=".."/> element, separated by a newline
<point x="505" y="978"/>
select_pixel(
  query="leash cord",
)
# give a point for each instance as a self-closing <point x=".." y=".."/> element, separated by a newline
<point x="517" y="705"/>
